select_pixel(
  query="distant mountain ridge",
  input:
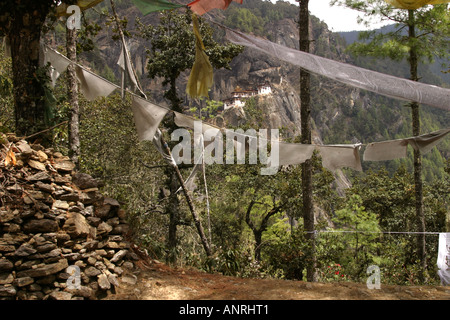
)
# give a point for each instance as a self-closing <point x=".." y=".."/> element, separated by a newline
<point x="434" y="68"/>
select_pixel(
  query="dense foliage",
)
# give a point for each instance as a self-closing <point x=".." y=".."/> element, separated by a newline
<point x="6" y="98"/>
<point x="254" y="221"/>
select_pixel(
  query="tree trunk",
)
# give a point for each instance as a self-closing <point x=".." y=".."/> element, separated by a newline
<point x="258" y="241"/>
<point x="418" y="186"/>
<point x="195" y="216"/>
<point x="72" y="93"/>
<point x="174" y="181"/>
<point x="173" y="205"/>
<point x="257" y="232"/>
<point x="172" y="95"/>
<point x="173" y="210"/>
<point x="305" y="113"/>
<point x="23" y="29"/>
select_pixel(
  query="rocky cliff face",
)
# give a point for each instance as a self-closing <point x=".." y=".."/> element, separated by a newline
<point x="283" y="106"/>
<point x="251" y="68"/>
<point x="248" y="70"/>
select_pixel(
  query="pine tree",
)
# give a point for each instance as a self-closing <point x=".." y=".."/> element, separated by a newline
<point x="305" y="114"/>
<point x="420" y="36"/>
<point x="172" y="52"/>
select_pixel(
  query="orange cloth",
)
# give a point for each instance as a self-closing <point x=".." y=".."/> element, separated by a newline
<point x="202" y="6"/>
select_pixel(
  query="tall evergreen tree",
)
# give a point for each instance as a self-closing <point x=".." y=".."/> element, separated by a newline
<point x="305" y="114"/>
<point x="172" y="52"/>
<point x="420" y="36"/>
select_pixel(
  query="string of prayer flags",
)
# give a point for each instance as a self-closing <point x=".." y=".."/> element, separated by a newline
<point x="92" y="86"/>
<point x="147" y="117"/>
<point x="200" y="7"/>
<point x="340" y="156"/>
<point x="333" y="156"/>
<point x="239" y="140"/>
<point x="394" y="149"/>
<point x="57" y="60"/>
<point x="413" y="4"/>
<point x="148" y="6"/>
<point x="201" y="77"/>
<point x="358" y="77"/>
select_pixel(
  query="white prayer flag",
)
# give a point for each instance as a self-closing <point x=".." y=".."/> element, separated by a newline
<point x="443" y="260"/>
<point x="58" y="63"/>
<point x="294" y="153"/>
<point x="426" y="142"/>
<point x="394" y="149"/>
<point x="124" y="63"/>
<point x="386" y="150"/>
<point x="340" y="156"/>
<point x="57" y="60"/>
<point x="147" y="117"/>
<point x="92" y="85"/>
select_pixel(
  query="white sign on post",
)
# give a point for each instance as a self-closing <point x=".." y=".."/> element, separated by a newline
<point x="443" y="261"/>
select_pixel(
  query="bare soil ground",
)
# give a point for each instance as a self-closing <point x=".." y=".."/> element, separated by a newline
<point x="157" y="281"/>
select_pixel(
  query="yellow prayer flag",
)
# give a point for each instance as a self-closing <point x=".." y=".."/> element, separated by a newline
<point x="201" y="77"/>
<point x="414" y="4"/>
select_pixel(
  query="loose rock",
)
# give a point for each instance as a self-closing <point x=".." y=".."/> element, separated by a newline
<point x="62" y="239"/>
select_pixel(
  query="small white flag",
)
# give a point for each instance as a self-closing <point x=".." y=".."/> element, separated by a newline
<point x="93" y="86"/>
<point x="340" y="156"/>
<point x="386" y="150"/>
<point x="147" y="117"/>
<point x="294" y="153"/>
<point x="443" y="260"/>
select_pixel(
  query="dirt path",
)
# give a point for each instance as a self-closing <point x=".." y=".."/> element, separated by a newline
<point x="160" y="282"/>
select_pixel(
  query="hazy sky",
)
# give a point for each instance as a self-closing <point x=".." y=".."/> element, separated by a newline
<point x="337" y="18"/>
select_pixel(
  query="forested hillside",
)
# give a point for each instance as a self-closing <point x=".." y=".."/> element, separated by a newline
<point x="252" y="221"/>
<point x="369" y="117"/>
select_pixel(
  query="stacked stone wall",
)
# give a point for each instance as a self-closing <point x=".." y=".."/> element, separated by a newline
<point x="60" y="237"/>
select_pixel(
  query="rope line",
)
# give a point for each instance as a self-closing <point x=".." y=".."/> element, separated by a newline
<point x="377" y="232"/>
